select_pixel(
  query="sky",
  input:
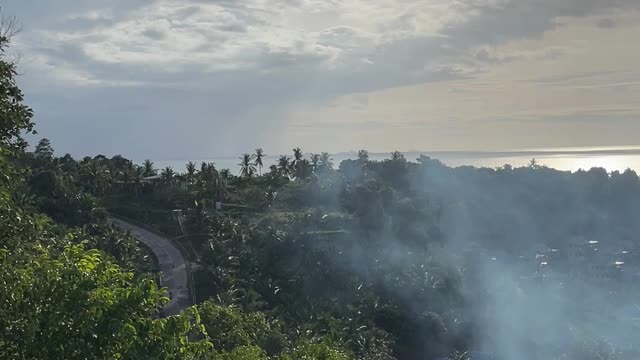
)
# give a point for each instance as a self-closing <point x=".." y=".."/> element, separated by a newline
<point x="180" y="79"/>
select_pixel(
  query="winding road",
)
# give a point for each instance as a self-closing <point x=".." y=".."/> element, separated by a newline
<point x="173" y="266"/>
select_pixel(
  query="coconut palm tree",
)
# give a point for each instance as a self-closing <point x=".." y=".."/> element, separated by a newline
<point x="136" y="178"/>
<point x="297" y="158"/>
<point x="258" y="159"/>
<point x="284" y="165"/>
<point x="222" y="182"/>
<point x="314" y="159"/>
<point x="168" y="175"/>
<point x="191" y="172"/>
<point x="207" y="174"/>
<point x="303" y="170"/>
<point x="363" y="156"/>
<point x="325" y="161"/>
<point x="98" y="175"/>
<point x="225" y="175"/>
<point x="148" y="168"/>
<point x="247" y="169"/>
<point x="297" y="155"/>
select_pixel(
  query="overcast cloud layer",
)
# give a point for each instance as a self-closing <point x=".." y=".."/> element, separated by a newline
<point x="175" y="79"/>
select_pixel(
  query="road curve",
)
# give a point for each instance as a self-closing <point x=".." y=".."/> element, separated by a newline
<point x="173" y="266"/>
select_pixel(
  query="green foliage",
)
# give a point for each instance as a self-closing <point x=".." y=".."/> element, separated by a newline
<point x="16" y="116"/>
<point x="59" y="300"/>
<point x="79" y="305"/>
<point x="307" y="350"/>
<point x="44" y="150"/>
<point x="247" y="166"/>
<point x="228" y="327"/>
<point x="345" y="264"/>
<point x="57" y="196"/>
<point x="241" y="353"/>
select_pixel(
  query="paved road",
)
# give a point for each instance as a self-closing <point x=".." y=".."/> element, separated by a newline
<point x="173" y="266"/>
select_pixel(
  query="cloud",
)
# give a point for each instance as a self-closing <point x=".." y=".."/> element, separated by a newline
<point x="154" y="34"/>
<point x="498" y="21"/>
<point x="179" y="62"/>
<point x="606" y="23"/>
<point x="303" y="35"/>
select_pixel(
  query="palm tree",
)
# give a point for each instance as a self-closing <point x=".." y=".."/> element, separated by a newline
<point x="247" y="169"/>
<point x="363" y="156"/>
<point x="97" y="175"/>
<point x="137" y="178"/>
<point x="191" y="172"/>
<point x="258" y="162"/>
<point x="303" y="170"/>
<point x="225" y="175"/>
<point x="325" y="161"/>
<point x="207" y="174"/>
<point x="284" y="165"/>
<point x="102" y="179"/>
<point x="297" y="155"/>
<point x="297" y="158"/>
<point x="148" y="168"/>
<point x="168" y="175"/>
<point x="397" y="156"/>
<point x="314" y="159"/>
<point x="223" y="183"/>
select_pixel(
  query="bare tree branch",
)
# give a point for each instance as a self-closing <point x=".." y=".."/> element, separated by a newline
<point x="9" y="27"/>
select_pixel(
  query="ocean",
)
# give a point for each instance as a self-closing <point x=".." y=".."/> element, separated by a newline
<point x="571" y="159"/>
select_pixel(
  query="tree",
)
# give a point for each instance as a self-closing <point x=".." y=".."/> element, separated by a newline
<point x="168" y="175"/>
<point x="207" y="175"/>
<point x="314" y="159"/>
<point x="363" y="156"/>
<point x="80" y="305"/>
<point x="229" y="327"/>
<point x="321" y="351"/>
<point x="97" y="176"/>
<point x="326" y="162"/>
<point x="258" y="159"/>
<point x="148" y="168"/>
<point x="225" y="175"/>
<point x="247" y="169"/>
<point x="297" y="156"/>
<point x="191" y="172"/>
<point x="303" y="170"/>
<point x="137" y="178"/>
<point x="397" y="156"/>
<point x="284" y="166"/>
<point x="16" y="116"/>
<point x="43" y="149"/>
<point x="423" y="159"/>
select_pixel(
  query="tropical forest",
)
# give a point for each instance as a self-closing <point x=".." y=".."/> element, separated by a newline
<point x="102" y="257"/>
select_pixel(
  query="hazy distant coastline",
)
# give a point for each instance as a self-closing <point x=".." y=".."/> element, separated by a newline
<point x="571" y="158"/>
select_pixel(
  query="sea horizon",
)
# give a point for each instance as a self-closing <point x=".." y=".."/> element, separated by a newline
<point x="611" y="158"/>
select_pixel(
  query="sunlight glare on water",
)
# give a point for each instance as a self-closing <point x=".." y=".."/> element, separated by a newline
<point x="571" y="159"/>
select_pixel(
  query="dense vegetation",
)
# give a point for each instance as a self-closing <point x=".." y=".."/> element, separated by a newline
<point x="73" y="287"/>
<point x="372" y="257"/>
<point x="303" y="260"/>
